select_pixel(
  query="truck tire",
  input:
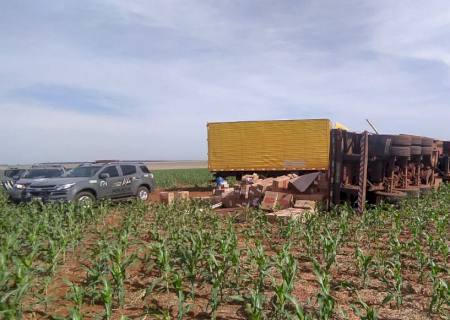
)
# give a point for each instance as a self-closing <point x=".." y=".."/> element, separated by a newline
<point x="143" y="193"/>
<point x="85" y="199"/>
<point x="401" y="151"/>
<point x="379" y="145"/>
<point x="427" y="151"/>
<point x="416" y="150"/>
<point x="416" y="141"/>
<point x="401" y="141"/>
<point x="427" y="142"/>
<point x="447" y="147"/>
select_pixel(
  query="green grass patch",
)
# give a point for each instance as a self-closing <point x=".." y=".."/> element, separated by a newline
<point x="176" y="178"/>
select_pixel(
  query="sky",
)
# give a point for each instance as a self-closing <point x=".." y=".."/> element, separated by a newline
<point x="139" y="79"/>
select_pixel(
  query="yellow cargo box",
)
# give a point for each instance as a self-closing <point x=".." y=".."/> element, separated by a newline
<point x="282" y="145"/>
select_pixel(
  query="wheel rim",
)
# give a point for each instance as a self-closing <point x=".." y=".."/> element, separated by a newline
<point x="143" y="195"/>
<point x="85" y="201"/>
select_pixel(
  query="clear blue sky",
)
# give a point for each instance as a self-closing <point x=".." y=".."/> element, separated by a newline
<point x="139" y="79"/>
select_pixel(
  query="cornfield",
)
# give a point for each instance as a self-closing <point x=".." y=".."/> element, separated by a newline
<point x="175" y="178"/>
<point x="185" y="261"/>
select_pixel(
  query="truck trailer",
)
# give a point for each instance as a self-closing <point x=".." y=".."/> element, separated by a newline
<point x="358" y="167"/>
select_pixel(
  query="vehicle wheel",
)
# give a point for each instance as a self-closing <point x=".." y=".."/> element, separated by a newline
<point x="416" y="141"/>
<point x="379" y="145"/>
<point x="143" y="193"/>
<point x="427" y="151"/>
<point x="416" y="150"/>
<point x="447" y="147"/>
<point x="427" y="142"/>
<point x="84" y="199"/>
<point x="401" y="140"/>
<point x="401" y="151"/>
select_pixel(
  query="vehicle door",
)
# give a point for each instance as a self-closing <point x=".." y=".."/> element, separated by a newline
<point x="110" y="186"/>
<point x="130" y="180"/>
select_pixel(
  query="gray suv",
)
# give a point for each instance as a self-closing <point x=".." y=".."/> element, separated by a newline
<point x="10" y="177"/>
<point x="94" y="181"/>
<point x="19" y="191"/>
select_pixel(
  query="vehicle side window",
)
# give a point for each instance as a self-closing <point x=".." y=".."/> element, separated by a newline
<point x="128" y="169"/>
<point x="112" y="170"/>
<point x="144" y="169"/>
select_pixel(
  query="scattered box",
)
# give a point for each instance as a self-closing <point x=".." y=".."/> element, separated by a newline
<point x="245" y="190"/>
<point x="270" y="200"/>
<point x="288" y="214"/>
<point x="167" y="197"/>
<point x="273" y="200"/>
<point x="305" y="204"/>
<point x="182" y="195"/>
<point x="284" y="200"/>
<point x="231" y="199"/>
<point x="281" y="183"/>
<point x="219" y="192"/>
<point x="264" y="185"/>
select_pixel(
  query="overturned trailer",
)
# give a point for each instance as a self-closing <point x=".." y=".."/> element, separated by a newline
<point x="358" y="167"/>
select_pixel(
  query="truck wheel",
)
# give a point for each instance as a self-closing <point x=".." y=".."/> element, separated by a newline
<point x="142" y="193"/>
<point x="416" y="141"/>
<point x="401" y="140"/>
<point x="427" y="142"/>
<point x="401" y="151"/>
<point x="85" y="199"/>
<point x="427" y="151"/>
<point x="416" y="150"/>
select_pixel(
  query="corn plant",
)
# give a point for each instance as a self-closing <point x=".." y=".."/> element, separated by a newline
<point x="326" y="300"/>
<point x="119" y="264"/>
<point x="107" y="298"/>
<point x="441" y="290"/>
<point x="394" y="282"/>
<point x="177" y="282"/>
<point x="364" y="262"/>
<point x="364" y="311"/>
<point x="76" y="295"/>
<point x="191" y="255"/>
<point x="330" y="245"/>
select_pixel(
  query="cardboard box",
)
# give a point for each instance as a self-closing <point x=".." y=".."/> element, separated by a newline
<point x="167" y="197"/>
<point x="281" y="183"/>
<point x="205" y="198"/>
<point x="305" y="204"/>
<point x="219" y="192"/>
<point x="284" y="200"/>
<point x="250" y="178"/>
<point x="231" y="199"/>
<point x="245" y="190"/>
<point x="264" y="185"/>
<point x="270" y="200"/>
<point x="182" y="195"/>
<point x="255" y="196"/>
<point x="276" y="200"/>
<point x="288" y="214"/>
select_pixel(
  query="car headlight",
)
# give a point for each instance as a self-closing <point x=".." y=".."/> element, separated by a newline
<point x="65" y="186"/>
<point x="19" y="186"/>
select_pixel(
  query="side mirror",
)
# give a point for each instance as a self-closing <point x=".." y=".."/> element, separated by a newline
<point x="104" y="175"/>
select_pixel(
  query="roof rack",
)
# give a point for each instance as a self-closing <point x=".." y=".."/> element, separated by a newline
<point x="47" y="165"/>
<point x="117" y="161"/>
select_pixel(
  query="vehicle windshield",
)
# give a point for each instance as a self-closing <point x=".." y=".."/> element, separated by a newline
<point x="83" y="172"/>
<point x="13" y="172"/>
<point x="43" y="173"/>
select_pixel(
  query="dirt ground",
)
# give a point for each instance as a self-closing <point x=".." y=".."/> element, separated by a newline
<point x="416" y="295"/>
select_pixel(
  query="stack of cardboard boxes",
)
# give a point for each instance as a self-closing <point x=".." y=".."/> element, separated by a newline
<point x="296" y="194"/>
<point x="170" y="197"/>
